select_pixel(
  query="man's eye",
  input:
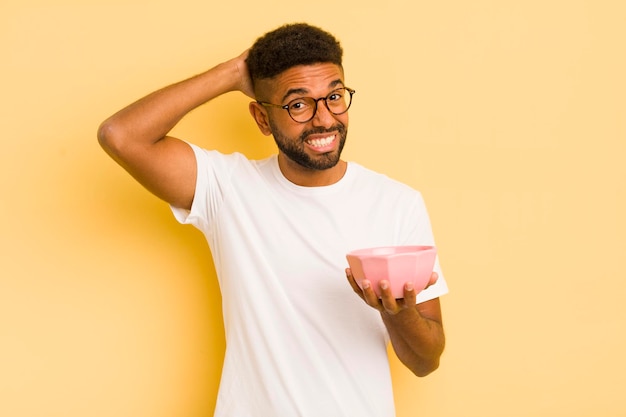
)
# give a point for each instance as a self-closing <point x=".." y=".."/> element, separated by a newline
<point x="298" y="105"/>
<point x="334" y="97"/>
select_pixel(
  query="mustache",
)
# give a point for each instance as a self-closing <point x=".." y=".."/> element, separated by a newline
<point x="339" y="127"/>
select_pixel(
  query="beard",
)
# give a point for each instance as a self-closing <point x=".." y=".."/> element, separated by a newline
<point x="295" y="149"/>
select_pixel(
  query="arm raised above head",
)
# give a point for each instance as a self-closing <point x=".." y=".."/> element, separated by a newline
<point x="136" y="136"/>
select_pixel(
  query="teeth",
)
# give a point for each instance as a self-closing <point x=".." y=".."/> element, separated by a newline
<point x="318" y="143"/>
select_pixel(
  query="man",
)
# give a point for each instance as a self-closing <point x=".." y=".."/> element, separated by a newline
<point x="298" y="341"/>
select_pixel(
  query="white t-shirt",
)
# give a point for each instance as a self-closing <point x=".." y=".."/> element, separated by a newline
<point x="299" y="342"/>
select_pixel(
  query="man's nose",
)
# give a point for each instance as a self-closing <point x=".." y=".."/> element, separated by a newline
<point x="323" y="116"/>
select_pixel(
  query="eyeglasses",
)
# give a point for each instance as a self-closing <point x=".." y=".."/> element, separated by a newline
<point x="303" y="109"/>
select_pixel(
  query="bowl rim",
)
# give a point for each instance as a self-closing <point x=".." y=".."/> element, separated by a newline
<point x="389" y="251"/>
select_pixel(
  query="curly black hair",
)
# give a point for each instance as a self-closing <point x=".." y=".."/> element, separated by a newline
<point x="291" y="45"/>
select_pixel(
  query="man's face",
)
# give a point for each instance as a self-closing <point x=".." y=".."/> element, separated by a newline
<point x="316" y="144"/>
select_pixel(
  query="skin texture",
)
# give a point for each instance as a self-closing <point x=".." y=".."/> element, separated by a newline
<point x="309" y="155"/>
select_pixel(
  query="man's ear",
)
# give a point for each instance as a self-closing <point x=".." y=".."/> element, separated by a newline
<point x="259" y="114"/>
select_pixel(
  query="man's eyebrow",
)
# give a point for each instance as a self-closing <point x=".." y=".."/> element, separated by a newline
<point x="298" y="91"/>
<point x="303" y="91"/>
<point x="336" y="83"/>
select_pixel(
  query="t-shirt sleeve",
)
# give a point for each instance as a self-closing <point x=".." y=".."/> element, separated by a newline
<point x="214" y="170"/>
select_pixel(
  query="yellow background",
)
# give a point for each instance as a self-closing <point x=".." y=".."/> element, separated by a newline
<point x="509" y="116"/>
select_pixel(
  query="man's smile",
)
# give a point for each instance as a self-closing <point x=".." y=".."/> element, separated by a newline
<point x="322" y="143"/>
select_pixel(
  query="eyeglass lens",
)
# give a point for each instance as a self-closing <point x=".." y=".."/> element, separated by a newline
<point x="304" y="109"/>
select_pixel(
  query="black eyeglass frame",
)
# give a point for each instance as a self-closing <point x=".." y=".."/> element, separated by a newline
<point x="315" y="100"/>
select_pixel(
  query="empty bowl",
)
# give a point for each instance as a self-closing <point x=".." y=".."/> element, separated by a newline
<point x="396" y="264"/>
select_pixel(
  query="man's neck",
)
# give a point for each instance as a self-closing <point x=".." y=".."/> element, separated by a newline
<point x="307" y="177"/>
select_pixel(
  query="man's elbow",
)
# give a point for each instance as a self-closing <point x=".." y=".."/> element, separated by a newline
<point x="426" y="368"/>
<point x="429" y="362"/>
<point x="109" y="137"/>
<point x="115" y="141"/>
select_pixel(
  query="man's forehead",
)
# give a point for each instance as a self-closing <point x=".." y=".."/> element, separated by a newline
<point x="304" y="80"/>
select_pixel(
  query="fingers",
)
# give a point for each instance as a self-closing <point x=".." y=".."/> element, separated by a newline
<point x="366" y="293"/>
<point x="369" y="295"/>
<point x="433" y="279"/>
<point x="392" y="305"/>
<point x="352" y="282"/>
<point x="410" y="295"/>
<point x="387" y="300"/>
<point x="386" y="303"/>
<point x="245" y="83"/>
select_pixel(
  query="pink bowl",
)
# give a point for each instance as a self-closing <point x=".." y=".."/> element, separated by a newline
<point x="396" y="264"/>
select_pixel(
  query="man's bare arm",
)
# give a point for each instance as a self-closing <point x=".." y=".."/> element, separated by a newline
<point x="136" y="136"/>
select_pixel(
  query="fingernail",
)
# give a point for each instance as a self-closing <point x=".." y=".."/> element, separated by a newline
<point x="384" y="285"/>
<point x="366" y="284"/>
<point x="409" y="286"/>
